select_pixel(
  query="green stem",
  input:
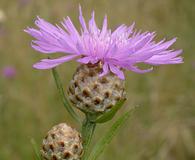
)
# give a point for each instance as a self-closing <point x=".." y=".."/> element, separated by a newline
<point x="63" y="96"/>
<point x="88" y="128"/>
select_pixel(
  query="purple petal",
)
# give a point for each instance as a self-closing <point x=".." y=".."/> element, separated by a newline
<point x="142" y="42"/>
<point x="59" y="60"/>
<point x="167" y="58"/>
<point x="105" y="70"/>
<point x="130" y="29"/>
<point x="117" y="71"/>
<point x="45" y="65"/>
<point x="104" y="27"/>
<point x="82" y="20"/>
<point x="167" y="44"/>
<point x="92" y="25"/>
<point x="137" y="70"/>
<point x="51" y="63"/>
<point x="84" y="60"/>
<point x="50" y="38"/>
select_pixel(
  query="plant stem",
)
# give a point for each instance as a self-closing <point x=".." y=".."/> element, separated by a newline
<point x="63" y="96"/>
<point x="88" y="128"/>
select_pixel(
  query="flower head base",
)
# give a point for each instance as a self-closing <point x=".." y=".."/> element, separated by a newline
<point x="120" y="49"/>
<point x="93" y="94"/>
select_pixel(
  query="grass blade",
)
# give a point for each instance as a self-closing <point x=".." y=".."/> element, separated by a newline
<point x="101" y="145"/>
<point x="36" y="150"/>
<point x="63" y="96"/>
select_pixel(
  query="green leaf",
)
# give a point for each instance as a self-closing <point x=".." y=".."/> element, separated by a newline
<point x="63" y="96"/>
<point x="36" y="150"/>
<point x="109" y="115"/>
<point x="101" y="145"/>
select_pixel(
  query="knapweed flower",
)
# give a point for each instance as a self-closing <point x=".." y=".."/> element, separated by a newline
<point x="120" y="49"/>
<point x="62" y="143"/>
<point x="9" y="72"/>
<point x="98" y="83"/>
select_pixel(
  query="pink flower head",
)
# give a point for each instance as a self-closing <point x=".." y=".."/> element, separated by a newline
<point x="9" y="72"/>
<point x="120" y="49"/>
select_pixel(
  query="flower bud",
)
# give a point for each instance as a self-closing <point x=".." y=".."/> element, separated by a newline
<point x="91" y="93"/>
<point x="62" y="143"/>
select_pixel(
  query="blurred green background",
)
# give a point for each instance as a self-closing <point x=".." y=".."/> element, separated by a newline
<point x="162" y="128"/>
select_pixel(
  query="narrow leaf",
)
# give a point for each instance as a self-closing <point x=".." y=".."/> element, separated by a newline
<point x="103" y="143"/>
<point x="109" y="115"/>
<point x="63" y="96"/>
<point x="36" y="150"/>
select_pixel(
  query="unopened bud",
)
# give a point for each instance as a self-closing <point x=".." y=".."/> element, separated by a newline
<point x="62" y="143"/>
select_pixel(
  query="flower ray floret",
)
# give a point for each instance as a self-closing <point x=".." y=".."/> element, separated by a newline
<point x="123" y="48"/>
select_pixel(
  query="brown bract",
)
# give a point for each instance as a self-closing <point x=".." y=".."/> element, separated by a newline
<point x="62" y="143"/>
<point x="91" y="93"/>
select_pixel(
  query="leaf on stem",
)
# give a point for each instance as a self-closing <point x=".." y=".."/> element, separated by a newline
<point x="101" y="145"/>
<point x="110" y="114"/>
<point x="63" y="96"/>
